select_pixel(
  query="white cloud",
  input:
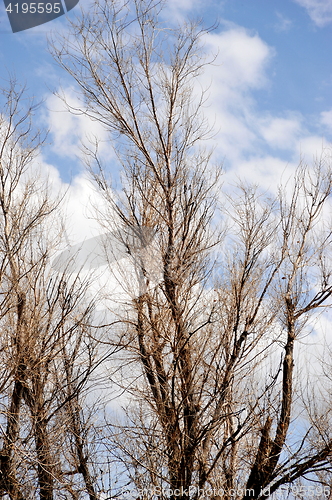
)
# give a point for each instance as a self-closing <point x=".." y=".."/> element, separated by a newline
<point x="283" y="24"/>
<point x="264" y="171"/>
<point x="240" y="66"/>
<point x="310" y="147"/>
<point x="113" y="274"/>
<point x="281" y="133"/>
<point x="326" y="119"/>
<point x="241" y="60"/>
<point x="246" y="134"/>
<point x="320" y="11"/>
<point x="80" y="210"/>
<point x="183" y="5"/>
<point x="177" y="10"/>
<point x="68" y="130"/>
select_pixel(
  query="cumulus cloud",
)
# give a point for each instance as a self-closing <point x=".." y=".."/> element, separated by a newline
<point x="326" y="119"/>
<point x="265" y="171"/>
<point x="69" y="131"/>
<point x="241" y="63"/>
<point x="241" y="58"/>
<point x="320" y="11"/>
<point x="256" y="145"/>
<point x="310" y="147"/>
<point x="282" y="132"/>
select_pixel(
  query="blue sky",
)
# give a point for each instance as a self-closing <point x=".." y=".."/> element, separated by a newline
<point x="270" y="89"/>
<point x="270" y="96"/>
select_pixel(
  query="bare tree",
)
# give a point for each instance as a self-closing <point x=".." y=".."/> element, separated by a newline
<point x="23" y="209"/>
<point x="48" y="353"/>
<point x="217" y="407"/>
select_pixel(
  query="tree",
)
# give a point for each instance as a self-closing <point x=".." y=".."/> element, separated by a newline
<point x="216" y="400"/>
<point x="48" y="354"/>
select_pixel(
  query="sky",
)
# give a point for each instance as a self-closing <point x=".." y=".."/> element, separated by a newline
<point x="269" y="98"/>
<point x="270" y="89"/>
